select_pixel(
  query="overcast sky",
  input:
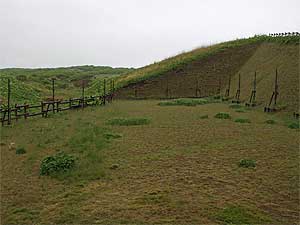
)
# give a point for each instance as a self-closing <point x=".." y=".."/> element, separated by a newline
<point x="129" y="33"/>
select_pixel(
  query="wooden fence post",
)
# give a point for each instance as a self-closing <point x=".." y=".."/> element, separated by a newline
<point x="8" y="102"/>
<point x="104" y="92"/>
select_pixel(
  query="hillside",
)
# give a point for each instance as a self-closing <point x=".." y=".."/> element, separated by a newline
<point x="200" y="72"/>
<point x="32" y="85"/>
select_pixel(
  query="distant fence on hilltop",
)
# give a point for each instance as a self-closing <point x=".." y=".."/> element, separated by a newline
<point x="284" y="34"/>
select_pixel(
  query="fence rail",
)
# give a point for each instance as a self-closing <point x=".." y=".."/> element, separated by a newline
<point x="25" y="111"/>
<point x="19" y="111"/>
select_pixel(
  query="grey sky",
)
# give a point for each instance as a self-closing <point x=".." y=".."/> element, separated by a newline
<point x="129" y="33"/>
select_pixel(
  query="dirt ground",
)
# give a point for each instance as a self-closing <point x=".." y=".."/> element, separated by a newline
<point x="178" y="169"/>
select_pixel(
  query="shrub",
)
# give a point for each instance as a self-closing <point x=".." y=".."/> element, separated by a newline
<point x="60" y="162"/>
<point x="222" y="115"/>
<point x="128" y="122"/>
<point x="247" y="163"/>
<point x="242" y="120"/>
<point x="204" y="117"/>
<point x="294" y="125"/>
<point x="270" y="122"/>
<point x="20" y="151"/>
<point x="240" y="111"/>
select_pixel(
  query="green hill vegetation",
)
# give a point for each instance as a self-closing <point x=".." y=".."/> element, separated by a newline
<point x="32" y="85"/>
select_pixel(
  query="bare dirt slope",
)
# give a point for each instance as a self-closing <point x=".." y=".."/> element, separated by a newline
<point x="207" y="73"/>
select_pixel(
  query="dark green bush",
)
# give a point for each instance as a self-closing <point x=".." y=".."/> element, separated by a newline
<point x="59" y="162"/>
<point x="222" y="115"/>
<point x="247" y="163"/>
<point x="20" y="151"/>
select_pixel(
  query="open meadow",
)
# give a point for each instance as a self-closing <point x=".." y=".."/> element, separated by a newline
<point x="148" y="161"/>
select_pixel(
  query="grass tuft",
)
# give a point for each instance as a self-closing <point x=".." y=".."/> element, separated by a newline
<point x="242" y="120"/>
<point x="294" y="125"/>
<point x="222" y="115"/>
<point x="20" y="151"/>
<point x="247" y="163"/>
<point x="128" y="121"/>
<point x="235" y="106"/>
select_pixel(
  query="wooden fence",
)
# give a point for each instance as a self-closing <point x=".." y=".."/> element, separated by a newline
<point x="19" y="111"/>
<point x="25" y="111"/>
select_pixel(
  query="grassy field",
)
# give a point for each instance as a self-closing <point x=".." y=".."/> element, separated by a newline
<point x="146" y="162"/>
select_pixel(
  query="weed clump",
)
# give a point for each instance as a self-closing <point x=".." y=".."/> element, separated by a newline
<point x="128" y="122"/>
<point x="270" y="122"/>
<point x="294" y="125"/>
<point x="242" y="120"/>
<point x="222" y="115"/>
<point x="247" y="163"/>
<point x="20" y="151"/>
<point x="204" y="117"/>
<point x="59" y="162"/>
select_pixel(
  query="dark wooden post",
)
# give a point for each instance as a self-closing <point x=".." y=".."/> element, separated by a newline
<point x="16" y="112"/>
<point x="82" y="95"/>
<point x="104" y="91"/>
<point x="8" y="102"/>
<point x="53" y="96"/>
<point x="70" y="103"/>
<point x="42" y="109"/>
<point x="276" y="87"/>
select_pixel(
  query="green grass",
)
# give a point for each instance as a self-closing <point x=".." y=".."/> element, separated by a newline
<point x="222" y="115"/>
<point x="294" y="125"/>
<point x="184" y="102"/>
<point x="235" y="106"/>
<point x="128" y="121"/>
<point x="247" y="163"/>
<point x="239" y="215"/>
<point x="242" y="120"/>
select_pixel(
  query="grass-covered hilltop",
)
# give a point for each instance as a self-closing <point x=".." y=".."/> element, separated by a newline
<point x="33" y="85"/>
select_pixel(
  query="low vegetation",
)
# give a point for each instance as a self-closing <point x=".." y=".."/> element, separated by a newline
<point x="294" y="125"/>
<point x="239" y="215"/>
<point x="247" y="163"/>
<point x="128" y="121"/>
<point x="57" y="163"/>
<point x="242" y="120"/>
<point x="222" y="115"/>
<point x="20" y="151"/>
<point x="184" y="102"/>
